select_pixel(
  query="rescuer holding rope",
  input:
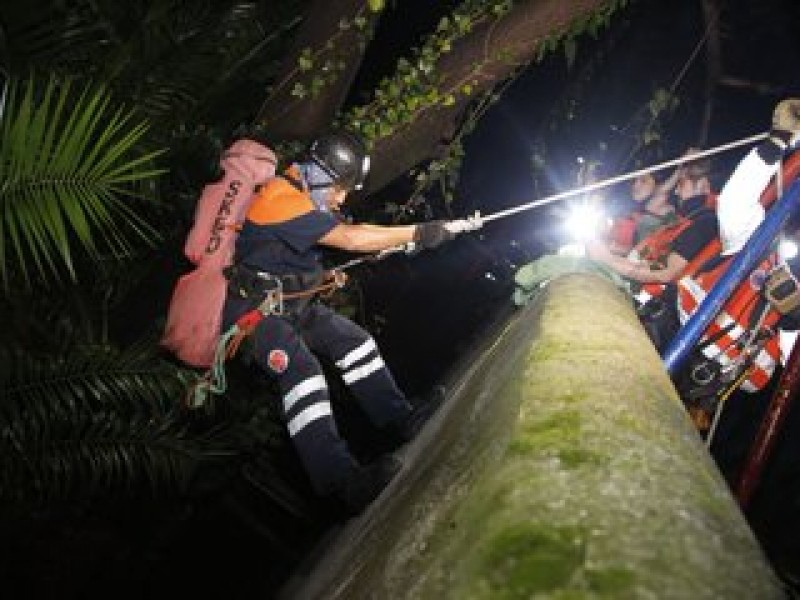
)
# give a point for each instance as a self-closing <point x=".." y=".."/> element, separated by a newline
<point x="277" y="269"/>
<point x="741" y="347"/>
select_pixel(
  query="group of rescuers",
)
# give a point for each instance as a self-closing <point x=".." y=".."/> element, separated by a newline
<point x="296" y="213"/>
<point x="673" y="260"/>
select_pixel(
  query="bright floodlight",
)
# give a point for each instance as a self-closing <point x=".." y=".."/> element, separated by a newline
<point x="584" y="222"/>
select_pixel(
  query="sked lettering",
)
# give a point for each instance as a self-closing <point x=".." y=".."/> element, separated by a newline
<point x="223" y="213"/>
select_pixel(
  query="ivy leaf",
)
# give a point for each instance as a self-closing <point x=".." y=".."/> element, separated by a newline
<point x="502" y="7"/>
<point x="650" y="136"/>
<point x="299" y="90"/>
<point x="304" y="63"/>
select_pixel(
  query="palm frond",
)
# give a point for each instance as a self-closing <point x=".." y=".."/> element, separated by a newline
<point x="177" y="60"/>
<point x="193" y="51"/>
<point x="68" y="162"/>
<point x="96" y="421"/>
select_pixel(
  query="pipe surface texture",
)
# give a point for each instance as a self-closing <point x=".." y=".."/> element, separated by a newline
<point x="561" y="465"/>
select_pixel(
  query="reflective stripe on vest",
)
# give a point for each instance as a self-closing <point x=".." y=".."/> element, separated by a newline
<point x="730" y="327"/>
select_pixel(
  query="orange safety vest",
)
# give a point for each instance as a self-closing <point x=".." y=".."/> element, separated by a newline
<point x="723" y="340"/>
<point x="656" y="247"/>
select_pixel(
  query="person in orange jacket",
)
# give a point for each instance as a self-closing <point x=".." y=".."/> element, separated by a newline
<point x="693" y="189"/>
<point x="664" y="256"/>
<point x="756" y="327"/>
<point x="288" y="222"/>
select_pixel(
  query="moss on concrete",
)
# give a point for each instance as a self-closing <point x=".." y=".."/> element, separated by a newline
<point x="563" y="467"/>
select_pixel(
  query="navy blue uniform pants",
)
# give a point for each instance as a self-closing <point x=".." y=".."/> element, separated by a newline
<point x="285" y="347"/>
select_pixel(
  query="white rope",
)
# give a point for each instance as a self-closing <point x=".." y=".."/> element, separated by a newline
<point x="568" y="194"/>
<point x="624" y="177"/>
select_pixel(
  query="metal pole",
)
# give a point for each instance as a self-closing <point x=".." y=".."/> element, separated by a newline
<point x="770" y="427"/>
<point x="746" y="260"/>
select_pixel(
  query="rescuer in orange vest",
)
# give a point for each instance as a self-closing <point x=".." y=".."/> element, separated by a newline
<point x="663" y="256"/>
<point x="742" y="346"/>
<point x="277" y="253"/>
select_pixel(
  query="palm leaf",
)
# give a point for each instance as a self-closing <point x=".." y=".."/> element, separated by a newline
<point x="179" y="62"/>
<point x="193" y="52"/>
<point x="68" y="162"/>
<point x="96" y="422"/>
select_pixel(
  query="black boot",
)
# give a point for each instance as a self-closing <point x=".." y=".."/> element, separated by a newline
<point x="366" y="483"/>
<point x="407" y="429"/>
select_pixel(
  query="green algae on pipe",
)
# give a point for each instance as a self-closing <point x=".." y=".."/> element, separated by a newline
<point x="563" y="466"/>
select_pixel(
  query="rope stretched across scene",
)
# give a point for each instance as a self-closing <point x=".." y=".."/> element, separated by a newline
<point x="625" y="177"/>
<point x="582" y="190"/>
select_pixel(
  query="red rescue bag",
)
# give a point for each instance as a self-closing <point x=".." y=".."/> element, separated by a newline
<point x="195" y="311"/>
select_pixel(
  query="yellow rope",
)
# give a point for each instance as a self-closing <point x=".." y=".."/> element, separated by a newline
<point x="722" y="399"/>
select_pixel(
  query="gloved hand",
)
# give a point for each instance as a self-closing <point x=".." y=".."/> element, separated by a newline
<point x="432" y="233"/>
<point x="471" y="223"/>
<point x="337" y="277"/>
<point x="786" y="121"/>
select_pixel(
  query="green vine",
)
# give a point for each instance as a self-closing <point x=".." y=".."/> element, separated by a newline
<point x="444" y="171"/>
<point x="320" y="67"/>
<point x="416" y="85"/>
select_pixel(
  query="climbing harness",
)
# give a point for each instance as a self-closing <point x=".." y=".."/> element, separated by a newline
<point x="735" y="373"/>
<point x="272" y="303"/>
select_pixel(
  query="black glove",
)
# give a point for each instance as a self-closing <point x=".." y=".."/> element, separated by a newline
<point x="432" y="233"/>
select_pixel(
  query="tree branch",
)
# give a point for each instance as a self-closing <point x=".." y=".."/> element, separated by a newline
<point x="318" y="70"/>
<point x="487" y="55"/>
